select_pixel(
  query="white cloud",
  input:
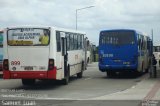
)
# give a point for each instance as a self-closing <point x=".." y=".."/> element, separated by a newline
<point x="142" y="15"/>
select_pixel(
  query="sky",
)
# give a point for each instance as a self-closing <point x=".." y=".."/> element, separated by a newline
<point x="141" y="15"/>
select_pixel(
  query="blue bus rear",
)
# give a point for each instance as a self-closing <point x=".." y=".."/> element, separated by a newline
<point x="118" y="50"/>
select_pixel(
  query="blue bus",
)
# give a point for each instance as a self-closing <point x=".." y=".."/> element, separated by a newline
<point x="124" y="50"/>
<point x="1" y="49"/>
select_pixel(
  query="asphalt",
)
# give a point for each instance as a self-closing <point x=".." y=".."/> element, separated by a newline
<point x="146" y="92"/>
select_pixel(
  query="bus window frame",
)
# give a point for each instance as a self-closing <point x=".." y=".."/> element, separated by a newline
<point x="31" y="28"/>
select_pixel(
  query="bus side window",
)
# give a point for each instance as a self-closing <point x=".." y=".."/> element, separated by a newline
<point x="79" y="41"/>
<point x="75" y="42"/>
<point x="68" y="41"/>
<point x="142" y="43"/>
<point x="71" y="41"/>
<point x="82" y="41"/>
<point x="139" y="42"/>
<point x="58" y="39"/>
<point x="107" y="41"/>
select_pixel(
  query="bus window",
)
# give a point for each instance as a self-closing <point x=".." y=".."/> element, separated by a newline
<point x="117" y="38"/>
<point x="75" y="42"/>
<point x="28" y="36"/>
<point x="58" y="39"/>
<point x="68" y="41"/>
<point x="79" y="41"/>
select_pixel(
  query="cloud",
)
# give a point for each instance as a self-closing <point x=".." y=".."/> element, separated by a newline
<point x="107" y="14"/>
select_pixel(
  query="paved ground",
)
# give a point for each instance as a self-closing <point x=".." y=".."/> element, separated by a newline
<point x="93" y="89"/>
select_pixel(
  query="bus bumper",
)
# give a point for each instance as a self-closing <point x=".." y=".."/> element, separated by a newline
<point x="103" y="68"/>
<point x="51" y="74"/>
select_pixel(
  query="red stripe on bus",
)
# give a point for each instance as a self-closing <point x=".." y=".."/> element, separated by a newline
<point x="6" y="75"/>
<point x="51" y="74"/>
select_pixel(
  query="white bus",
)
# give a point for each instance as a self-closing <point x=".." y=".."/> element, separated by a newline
<point x="156" y="52"/>
<point x="32" y="52"/>
<point x="88" y="51"/>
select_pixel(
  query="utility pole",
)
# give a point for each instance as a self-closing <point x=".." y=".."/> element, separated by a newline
<point x="152" y="34"/>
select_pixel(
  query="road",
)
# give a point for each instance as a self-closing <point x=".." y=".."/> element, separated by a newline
<point x="94" y="84"/>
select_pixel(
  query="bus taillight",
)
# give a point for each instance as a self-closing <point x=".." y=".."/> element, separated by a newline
<point x="5" y="64"/>
<point x="51" y="64"/>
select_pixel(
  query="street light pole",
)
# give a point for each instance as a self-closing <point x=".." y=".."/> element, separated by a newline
<point x="152" y="34"/>
<point x="81" y="9"/>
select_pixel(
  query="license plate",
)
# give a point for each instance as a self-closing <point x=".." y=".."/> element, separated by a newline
<point x="28" y="68"/>
<point x="117" y="60"/>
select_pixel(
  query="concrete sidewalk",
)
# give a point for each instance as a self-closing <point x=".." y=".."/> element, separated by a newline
<point x="147" y="89"/>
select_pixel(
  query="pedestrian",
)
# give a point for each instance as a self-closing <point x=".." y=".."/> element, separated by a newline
<point x="154" y="62"/>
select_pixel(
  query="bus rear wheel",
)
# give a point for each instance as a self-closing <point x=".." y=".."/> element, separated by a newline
<point x="28" y="81"/>
<point x="110" y="73"/>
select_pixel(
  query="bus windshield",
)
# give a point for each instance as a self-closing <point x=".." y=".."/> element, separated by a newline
<point x="117" y="37"/>
<point x="28" y="37"/>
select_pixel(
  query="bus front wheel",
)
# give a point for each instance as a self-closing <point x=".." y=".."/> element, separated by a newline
<point x="28" y="81"/>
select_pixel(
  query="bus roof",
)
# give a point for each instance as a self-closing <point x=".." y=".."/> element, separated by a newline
<point x="40" y="26"/>
<point x="117" y="30"/>
<point x="125" y="30"/>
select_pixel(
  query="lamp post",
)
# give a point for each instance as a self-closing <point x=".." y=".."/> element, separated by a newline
<point x="81" y="9"/>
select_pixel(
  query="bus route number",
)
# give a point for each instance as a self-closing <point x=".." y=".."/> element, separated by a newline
<point x="15" y="62"/>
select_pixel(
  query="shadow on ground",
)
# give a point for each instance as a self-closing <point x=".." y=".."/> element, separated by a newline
<point x="127" y="75"/>
<point x="46" y="84"/>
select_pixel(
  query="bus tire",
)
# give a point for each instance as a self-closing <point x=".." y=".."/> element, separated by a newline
<point x="138" y="73"/>
<point x="65" y="81"/>
<point x="147" y="70"/>
<point x="108" y="73"/>
<point x="154" y="72"/>
<point x="143" y="70"/>
<point x="80" y="74"/>
<point x="88" y="60"/>
<point x="28" y="81"/>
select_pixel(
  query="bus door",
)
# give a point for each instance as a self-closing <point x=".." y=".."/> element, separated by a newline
<point x="64" y="54"/>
